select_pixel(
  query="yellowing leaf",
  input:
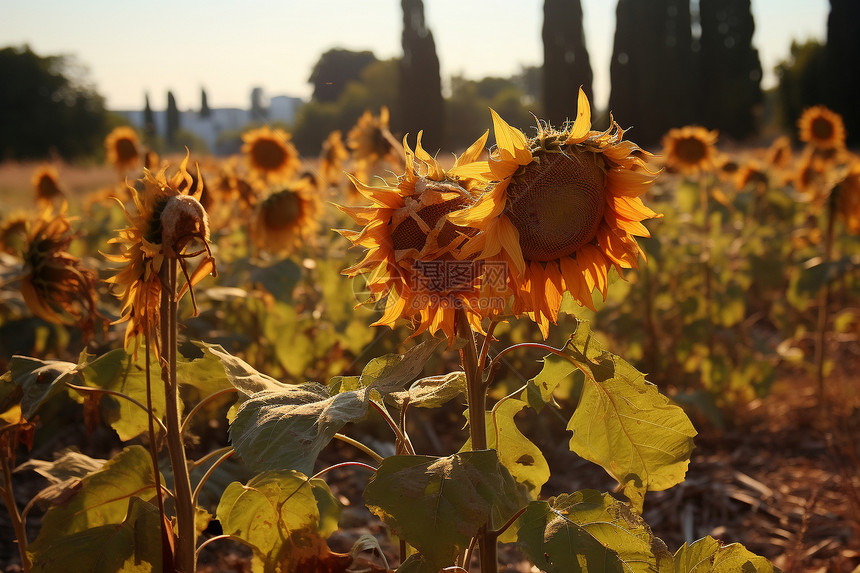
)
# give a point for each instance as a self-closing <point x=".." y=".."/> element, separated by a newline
<point x="707" y="555"/>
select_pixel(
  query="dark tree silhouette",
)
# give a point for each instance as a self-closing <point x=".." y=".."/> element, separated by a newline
<point x="335" y="69"/>
<point x="46" y="108"/>
<point x="652" y="72"/>
<point x="205" y="110"/>
<point x="172" y="122"/>
<point x="421" y="105"/>
<point x="843" y="63"/>
<point x="149" y="129"/>
<point x="802" y="82"/>
<point x="566" y="66"/>
<point x="730" y="68"/>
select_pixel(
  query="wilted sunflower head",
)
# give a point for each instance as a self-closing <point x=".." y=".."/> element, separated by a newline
<point x="286" y="218"/>
<point x="412" y="261"/>
<point x="690" y="149"/>
<point x="57" y="287"/>
<point x="334" y="154"/>
<point x="270" y="153"/>
<point x="169" y="223"/>
<point x="123" y="148"/>
<point x="46" y="184"/>
<point x="821" y="127"/>
<point x="562" y="208"/>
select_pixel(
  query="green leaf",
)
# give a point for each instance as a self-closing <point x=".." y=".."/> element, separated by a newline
<point x="206" y="375"/>
<point x="68" y="469"/>
<point x="416" y="564"/>
<point x="589" y="531"/>
<point x="277" y="514"/>
<point x="624" y="424"/>
<point x="38" y="380"/>
<point x="120" y="372"/>
<point x="433" y="391"/>
<point x="101" y="498"/>
<point x="707" y="555"/>
<point x="391" y="372"/>
<point x="133" y="546"/>
<point x="438" y="504"/>
<point x="287" y="429"/>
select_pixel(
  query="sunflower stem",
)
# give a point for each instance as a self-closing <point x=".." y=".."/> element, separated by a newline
<point x="185" y="545"/>
<point x="8" y="443"/>
<point x="823" y="302"/>
<point x="476" y="395"/>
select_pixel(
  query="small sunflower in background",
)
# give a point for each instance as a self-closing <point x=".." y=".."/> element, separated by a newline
<point x="57" y="287"/>
<point x="123" y="148"/>
<point x="751" y="173"/>
<point x="822" y="128"/>
<point x="270" y="153"/>
<point x="848" y="198"/>
<point x="167" y="221"/>
<point x="413" y="261"/>
<point x="46" y="184"/>
<point x="778" y="155"/>
<point x="563" y="209"/>
<point x="690" y="150"/>
<point x="286" y="218"/>
<point x="332" y="158"/>
<point x="370" y="142"/>
<point x="727" y="167"/>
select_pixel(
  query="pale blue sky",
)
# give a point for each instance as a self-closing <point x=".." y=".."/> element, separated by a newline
<point x="131" y="47"/>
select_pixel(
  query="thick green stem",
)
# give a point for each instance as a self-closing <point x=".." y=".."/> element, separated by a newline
<point x="824" y="300"/>
<point x="186" y="542"/>
<point x="476" y="393"/>
<point x="12" y="507"/>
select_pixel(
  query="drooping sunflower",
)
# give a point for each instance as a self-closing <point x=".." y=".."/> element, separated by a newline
<point x="778" y="154"/>
<point x="370" y="142"/>
<point x="332" y="158"/>
<point x="123" y="148"/>
<point x="412" y="259"/>
<point x="848" y="198"/>
<point x="563" y="209"/>
<point x="270" y="153"/>
<point x="690" y="149"/>
<point x="57" y="287"/>
<point x="751" y="173"/>
<point x="822" y="128"/>
<point x="286" y="218"/>
<point x="46" y="184"/>
<point x="167" y="221"/>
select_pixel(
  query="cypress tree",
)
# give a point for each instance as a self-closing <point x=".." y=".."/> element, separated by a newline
<point x="421" y="105"/>
<point x="566" y="66"/>
<point x="730" y="68"/>
<point x="205" y="111"/>
<point x="172" y="119"/>
<point x="843" y="63"/>
<point x="149" y="129"/>
<point x="652" y="70"/>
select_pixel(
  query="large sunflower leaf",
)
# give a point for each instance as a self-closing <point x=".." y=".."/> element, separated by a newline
<point x="38" y="380"/>
<point x="389" y="373"/>
<point x="206" y="375"/>
<point x="121" y="372"/>
<point x="438" y="504"/>
<point x="707" y="555"/>
<point x="133" y="546"/>
<point x="101" y="498"/>
<point x="589" y="531"/>
<point x="287" y="429"/>
<point x="624" y="424"/>
<point x="433" y="391"/>
<point x="62" y="473"/>
<point x="277" y="514"/>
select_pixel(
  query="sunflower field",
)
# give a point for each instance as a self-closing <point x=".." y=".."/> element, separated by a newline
<point x="396" y="358"/>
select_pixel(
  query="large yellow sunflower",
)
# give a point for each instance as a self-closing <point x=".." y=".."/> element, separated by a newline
<point x="690" y="149"/>
<point x="57" y="287"/>
<point x="167" y="221"/>
<point x="286" y="218"/>
<point x="564" y="208"/>
<point x="822" y="128"/>
<point x="123" y="148"/>
<point x="412" y="250"/>
<point x="271" y="155"/>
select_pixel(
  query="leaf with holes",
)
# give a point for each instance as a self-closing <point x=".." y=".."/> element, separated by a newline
<point x="707" y="555"/>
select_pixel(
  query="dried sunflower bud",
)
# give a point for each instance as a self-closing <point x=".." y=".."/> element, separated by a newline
<point x="182" y="220"/>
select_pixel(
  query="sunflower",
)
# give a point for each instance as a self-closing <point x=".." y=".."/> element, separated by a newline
<point x="371" y="141"/>
<point x="57" y="287"/>
<point x="286" y="218"/>
<point x="412" y="259"/>
<point x="563" y="209"/>
<point x="690" y="149"/>
<point x="822" y="128"/>
<point x="46" y="185"/>
<point x="778" y="154"/>
<point x="848" y="198"/>
<point x="271" y="155"/>
<point x="167" y="221"/>
<point x="123" y="148"/>
<point x="751" y="173"/>
<point x="332" y="158"/>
